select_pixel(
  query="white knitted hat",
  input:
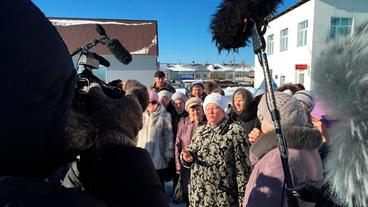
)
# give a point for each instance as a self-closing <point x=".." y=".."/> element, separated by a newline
<point x="217" y="99"/>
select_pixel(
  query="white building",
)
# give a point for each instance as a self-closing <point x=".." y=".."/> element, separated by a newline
<point x="296" y="36"/>
<point x="139" y="37"/>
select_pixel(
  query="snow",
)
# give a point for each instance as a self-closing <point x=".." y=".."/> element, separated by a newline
<point x="145" y="50"/>
<point x="69" y="22"/>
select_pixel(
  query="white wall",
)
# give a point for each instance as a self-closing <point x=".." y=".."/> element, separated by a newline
<point x="142" y="68"/>
<point x="283" y="63"/>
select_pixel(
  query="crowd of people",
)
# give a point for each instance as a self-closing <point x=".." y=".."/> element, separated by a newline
<point x="65" y="147"/>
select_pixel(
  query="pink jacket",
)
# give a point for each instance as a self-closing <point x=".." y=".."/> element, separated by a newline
<point x="265" y="185"/>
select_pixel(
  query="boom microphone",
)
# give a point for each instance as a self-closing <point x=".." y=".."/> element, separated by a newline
<point x="100" y="30"/>
<point x="118" y="50"/>
<point x="232" y="24"/>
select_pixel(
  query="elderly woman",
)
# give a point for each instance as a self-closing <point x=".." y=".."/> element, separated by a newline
<point x="186" y="129"/>
<point x="156" y="136"/>
<point x="217" y="158"/>
<point x="266" y="185"/>
<point x="244" y="110"/>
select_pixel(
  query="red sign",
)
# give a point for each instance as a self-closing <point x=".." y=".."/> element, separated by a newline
<point x="301" y="67"/>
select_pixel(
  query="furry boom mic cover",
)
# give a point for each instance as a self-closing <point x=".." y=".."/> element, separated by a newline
<point x="228" y="28"/>
<point x="340" y="79"/>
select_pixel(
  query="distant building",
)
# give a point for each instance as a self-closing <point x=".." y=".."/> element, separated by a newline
<point x="296" y="36"/>
<point x="232" y="72"/>
<point x="139" y="37"/>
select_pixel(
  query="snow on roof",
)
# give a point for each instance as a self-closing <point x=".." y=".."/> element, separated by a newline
<point x="70" y="22"/>
<point x="180" y="68"/>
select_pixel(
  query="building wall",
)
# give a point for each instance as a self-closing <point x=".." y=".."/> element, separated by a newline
<point x="142" y="68"/>
<point x="283" y="63"/>
<point x="318" y="13"/>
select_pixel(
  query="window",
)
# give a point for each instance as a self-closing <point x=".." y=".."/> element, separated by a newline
<point x="301" y="78"/>
<point x="302" y="33"/>
<point x="340" y="27"/>
<point x="284" y="39"/>
<point x="270" y="44"/>
<point x="282" y="80"/>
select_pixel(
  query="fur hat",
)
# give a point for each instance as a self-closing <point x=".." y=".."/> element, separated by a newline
<point x="291" y="111"/>
<point x="179" y="95"/>
<point x="164" y="93"/>
<point x="153" y="96"/>
<point x="135" y="88"/>
<point x="122" y="115"/>
<point x="215" y="98"/>
<point x="159" y="74"/>
<point x="193" y="102"/>
<point x="306" y="97"/>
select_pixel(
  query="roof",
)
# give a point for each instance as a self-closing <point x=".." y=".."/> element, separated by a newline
<point x="137" y="36"/>
<point x="296" y="5"/>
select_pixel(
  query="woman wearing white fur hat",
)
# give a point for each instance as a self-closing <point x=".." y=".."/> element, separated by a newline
<point x="217" y="158"/>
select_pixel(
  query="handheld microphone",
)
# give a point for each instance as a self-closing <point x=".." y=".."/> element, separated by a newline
<point x="118" y="50"/>
<point x="232" y="24"/>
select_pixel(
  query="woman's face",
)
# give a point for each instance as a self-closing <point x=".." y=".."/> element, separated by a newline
<point x="152" y="106"/>
<point x="239" y="102"/>
<point x="195" y="113"/>
<point x="179" y="105"/>
<point x="197" y="91"/>
<point x="214" y="114"/>
<point x="165" y="101"/>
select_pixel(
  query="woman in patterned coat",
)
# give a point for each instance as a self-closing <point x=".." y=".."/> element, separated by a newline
<point x="217" y="158"/>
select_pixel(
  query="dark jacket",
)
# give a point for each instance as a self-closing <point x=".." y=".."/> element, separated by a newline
<point x="265" y="185"/>
<point x="122" y="176"/>
<point x="166" y="87"/>
<point x="248" y="117"/>
<point x="33" y="192"/>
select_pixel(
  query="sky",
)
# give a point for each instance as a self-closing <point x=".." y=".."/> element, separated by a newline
<point x="183" y="26"/>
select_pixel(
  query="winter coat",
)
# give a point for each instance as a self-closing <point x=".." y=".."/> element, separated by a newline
<point x="33" y="192"/>
<point x="184" y="136"/>
<point x="248" y="117"/>
<point x="166" y="87"/>
<point x="156" y="136"/>
<point x="122" y="176"/>
<point x="219" y="171"/>
<point x="265" y="185"/>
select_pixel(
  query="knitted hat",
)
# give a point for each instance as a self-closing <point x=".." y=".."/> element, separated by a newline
<point x="291" y="111"/>
<point x="179" y="95"/>
<point x="217" y="99"/>
<point x="164" y="93"/>
<point x="307" y="97"/>
<point x="193" y="102"/>
<point x="153" y="96"/>
<point x="196" y="83"/>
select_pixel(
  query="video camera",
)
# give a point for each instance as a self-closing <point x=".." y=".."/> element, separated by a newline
<point x="90" y="61"/>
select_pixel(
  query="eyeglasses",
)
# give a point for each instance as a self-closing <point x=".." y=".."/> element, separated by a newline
<point x="153" y="102"/>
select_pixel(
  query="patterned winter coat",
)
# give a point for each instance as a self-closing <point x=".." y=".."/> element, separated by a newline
<point x="219" y="171"/>
<point x="156" y="136"/>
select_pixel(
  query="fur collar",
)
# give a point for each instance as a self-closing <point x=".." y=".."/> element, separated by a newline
<point x="296" y="137"/>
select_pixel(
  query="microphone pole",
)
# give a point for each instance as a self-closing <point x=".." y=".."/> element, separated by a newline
<point x="259" y="46"/>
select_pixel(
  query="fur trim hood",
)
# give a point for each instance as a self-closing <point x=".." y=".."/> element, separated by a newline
<point x="296" y="137"/>
<point x="340" y="80"/>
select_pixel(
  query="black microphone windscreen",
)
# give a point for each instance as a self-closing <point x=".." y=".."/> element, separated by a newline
<point x="118" y="50"/>
<point x="100" y="30"/>
<point x="229" y="31"/>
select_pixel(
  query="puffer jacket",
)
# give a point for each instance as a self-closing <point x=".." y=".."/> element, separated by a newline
<point x="156" y="136"/>
<point x="265" y="185"/>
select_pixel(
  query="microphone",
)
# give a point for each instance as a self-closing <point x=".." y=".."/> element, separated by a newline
<point x="232" y="24"/>
<point x="101" y="59"/>
<point x="118" y="50"/>
<point x="100" y="30"/>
